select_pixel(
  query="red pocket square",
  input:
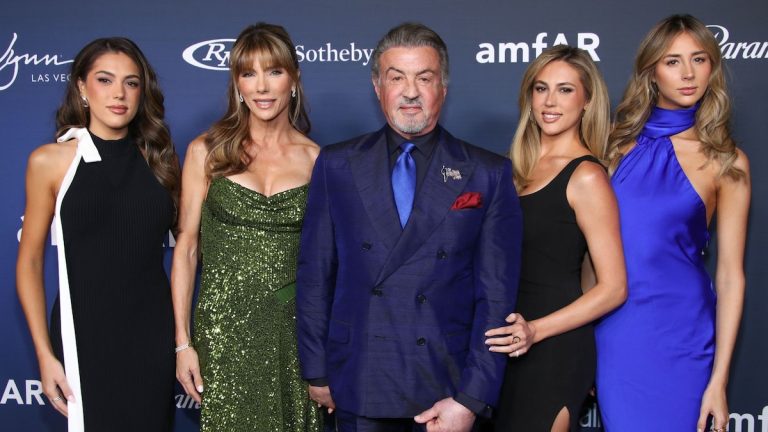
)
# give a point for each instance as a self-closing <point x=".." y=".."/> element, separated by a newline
<point x="468" y="200"/>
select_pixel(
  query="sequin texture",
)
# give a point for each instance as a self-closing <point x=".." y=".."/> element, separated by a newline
<point x="245" y="334"/>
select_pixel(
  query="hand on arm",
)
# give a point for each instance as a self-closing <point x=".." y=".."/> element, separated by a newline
<point x="194" y="186"/>
<point x="733" y="197"/>
<point x="590" y="195"/>
<point x="45" y="172"/>
<point x="515" y="339"/>
<point x="496" y="275"/>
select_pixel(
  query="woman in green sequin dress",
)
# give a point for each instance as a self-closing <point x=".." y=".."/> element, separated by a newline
<point x="244" y="189"/>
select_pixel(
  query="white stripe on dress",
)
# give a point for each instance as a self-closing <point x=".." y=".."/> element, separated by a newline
<point x="88" y="152"/>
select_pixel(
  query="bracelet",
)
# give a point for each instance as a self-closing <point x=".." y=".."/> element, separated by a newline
<point x="182" y="347"/>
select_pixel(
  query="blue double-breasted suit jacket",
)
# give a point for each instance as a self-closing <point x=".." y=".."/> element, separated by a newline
<point x="394" y="317"/>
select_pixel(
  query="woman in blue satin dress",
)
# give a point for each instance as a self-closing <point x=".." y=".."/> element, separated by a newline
<point x="664" y="356"/>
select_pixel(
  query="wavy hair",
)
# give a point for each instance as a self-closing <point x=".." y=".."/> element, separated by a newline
<point x="641" y="95"/>
<point x="227" y="139"/>
<point x="148" y="127"/>
<point x="595" y="123"/>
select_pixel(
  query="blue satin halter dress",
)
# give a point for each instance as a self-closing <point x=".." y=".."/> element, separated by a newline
<point x="655" y="352"/>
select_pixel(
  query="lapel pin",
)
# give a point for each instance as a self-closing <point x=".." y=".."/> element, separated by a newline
<point x="450" y="173"/>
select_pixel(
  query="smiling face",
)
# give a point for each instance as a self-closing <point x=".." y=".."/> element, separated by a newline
<point x="558" y="99"/>
<point x="410" y="89"/>
<point x="266" y="90"/>
<point x="682" y="74"/>
<point x="112" y="88"/>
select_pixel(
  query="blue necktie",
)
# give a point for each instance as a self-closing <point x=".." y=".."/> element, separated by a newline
<point x="404" y="182"/>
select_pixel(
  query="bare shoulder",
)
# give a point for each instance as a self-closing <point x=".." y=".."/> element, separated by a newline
<point x="48" y="164"/>
<point x="198" y="145"/>
<point x="307" y="146"/>
<point x="588" y="182"/>
<point x="588" y="175"/>
<point x="52" y="158"/>
<point x="742" y="161"/>
<point x="732" y="183"/>
<point x="197" y="151"/>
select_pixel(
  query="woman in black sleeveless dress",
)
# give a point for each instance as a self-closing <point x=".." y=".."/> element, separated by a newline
<point x="110" y="183"/>
<point x="568" y="208"/>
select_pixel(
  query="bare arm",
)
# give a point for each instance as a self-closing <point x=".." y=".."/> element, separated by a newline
<point x="591" y="197"/>
<point x="45" y="171"/>
<point x="733" y="199"/>
<point x="194" y="186"/>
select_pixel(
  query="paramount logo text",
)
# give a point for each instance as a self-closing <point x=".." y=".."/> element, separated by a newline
<point x="734" y="50"/>
<point x="214" y="54"/>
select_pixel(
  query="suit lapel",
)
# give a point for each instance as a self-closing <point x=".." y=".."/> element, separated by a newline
<point x="370" y="171"/>
<point x="432" y="202"/>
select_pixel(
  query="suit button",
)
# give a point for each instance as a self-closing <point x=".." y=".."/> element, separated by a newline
<point x="421" y="298"/>
<point x="377" y="292"/>
<point x="421" y="341"/>
<point x="441" y="254"/>
<point x="367" y="246"/>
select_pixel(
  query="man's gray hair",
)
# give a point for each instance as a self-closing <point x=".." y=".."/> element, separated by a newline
<point x="411" y="35"/>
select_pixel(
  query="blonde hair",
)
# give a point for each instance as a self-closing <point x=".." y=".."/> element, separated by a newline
<point x="714" y="113"/>
<point x="595" y="123"/>
<point x="227" y="139"/>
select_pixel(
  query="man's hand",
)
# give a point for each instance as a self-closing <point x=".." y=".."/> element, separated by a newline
<point x="447" y="415"/>
<point x="322" y="395"/>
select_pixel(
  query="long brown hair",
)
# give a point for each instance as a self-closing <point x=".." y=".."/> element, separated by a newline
<point x="227" y="139"/>
<point x="595" y="123"/>
<point x="714" y="113"/>
<point x="148" y="127"/>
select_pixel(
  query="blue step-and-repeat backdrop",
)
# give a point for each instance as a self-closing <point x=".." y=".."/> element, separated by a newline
<point x="490" y="44"/>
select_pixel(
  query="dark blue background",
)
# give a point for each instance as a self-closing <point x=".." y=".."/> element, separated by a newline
<point x="481" y="108"/>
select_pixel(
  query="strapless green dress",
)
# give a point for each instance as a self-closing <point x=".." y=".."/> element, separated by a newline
<point x="245" y="321"/>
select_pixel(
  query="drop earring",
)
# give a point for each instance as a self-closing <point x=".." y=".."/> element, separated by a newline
<point x="85" y="101"/>
<point x="293" y="92"/>
<point x="240" y="97"/>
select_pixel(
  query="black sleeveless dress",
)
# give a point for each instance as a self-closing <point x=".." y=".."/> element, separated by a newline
<point x="559" y="371"/>
<point x="115" y="217"/>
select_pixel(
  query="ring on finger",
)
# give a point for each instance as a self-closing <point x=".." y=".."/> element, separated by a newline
<point x="515" y="339"/>
<point x="56" y="399"/>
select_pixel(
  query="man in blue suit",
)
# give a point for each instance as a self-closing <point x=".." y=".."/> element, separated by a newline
<point x="410" y="251"/>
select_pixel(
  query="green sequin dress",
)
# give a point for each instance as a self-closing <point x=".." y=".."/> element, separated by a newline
<point x="245" y="324"/>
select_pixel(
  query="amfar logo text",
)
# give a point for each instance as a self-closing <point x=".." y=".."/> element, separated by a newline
<point x="516" y="52"/>
<point x="31" y="392"/>
<point x="11" y="60"/>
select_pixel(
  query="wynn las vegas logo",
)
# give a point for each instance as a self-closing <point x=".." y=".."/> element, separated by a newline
<point x="11" y="62"/>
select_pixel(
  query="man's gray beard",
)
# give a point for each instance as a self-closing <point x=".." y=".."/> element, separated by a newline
<point x="414" y="127"/>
